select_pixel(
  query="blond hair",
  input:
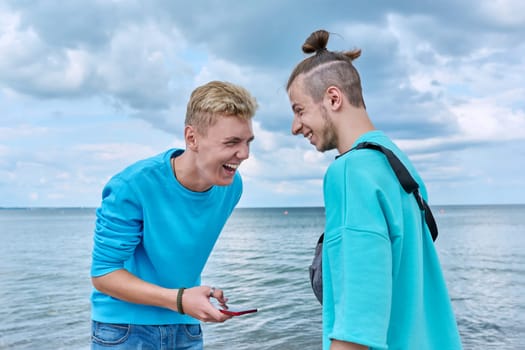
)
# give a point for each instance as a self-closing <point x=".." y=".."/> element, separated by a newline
<point x="218" y="98"/>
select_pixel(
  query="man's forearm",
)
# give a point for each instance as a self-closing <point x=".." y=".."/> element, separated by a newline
<point x="342" y="345"/>
<point x="125" y="286"/>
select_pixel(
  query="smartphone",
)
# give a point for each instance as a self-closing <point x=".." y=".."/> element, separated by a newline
<point x="237" y="310"/>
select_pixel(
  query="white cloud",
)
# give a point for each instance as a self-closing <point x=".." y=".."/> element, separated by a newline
<point x="505" y="12"/>
<point x="482" y="120"/>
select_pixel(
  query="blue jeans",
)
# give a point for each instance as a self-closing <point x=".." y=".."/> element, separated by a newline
<point x="145" y="337"/>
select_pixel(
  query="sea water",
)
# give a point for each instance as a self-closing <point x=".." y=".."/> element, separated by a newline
<point x="261" y="260"/>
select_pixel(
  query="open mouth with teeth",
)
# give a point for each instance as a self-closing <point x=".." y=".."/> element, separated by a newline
<point x="309" y="136"/>
<point x="230" y="168"/>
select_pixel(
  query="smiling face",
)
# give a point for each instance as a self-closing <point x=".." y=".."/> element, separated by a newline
<point x="221" y="149"/>
<point x="311" y="119"/>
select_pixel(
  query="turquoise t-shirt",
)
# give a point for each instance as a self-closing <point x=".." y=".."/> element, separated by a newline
<point x="382" y="282"/>
<point x="152" y="226"/>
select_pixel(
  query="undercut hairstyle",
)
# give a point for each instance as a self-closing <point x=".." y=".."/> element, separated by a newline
<point x="218" y="98"/>
<point x="328" y="68"/>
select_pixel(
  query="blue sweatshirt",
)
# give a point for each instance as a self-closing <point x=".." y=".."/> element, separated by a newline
<point x="382" y="281"/>
<point x="158" y="230"/>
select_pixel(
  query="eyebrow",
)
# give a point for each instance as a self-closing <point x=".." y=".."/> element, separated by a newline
<point x="237" y="139"/>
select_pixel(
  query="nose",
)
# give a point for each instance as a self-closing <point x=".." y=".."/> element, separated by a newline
<point x="244" y="151"/>
<point x="296" y="126"/>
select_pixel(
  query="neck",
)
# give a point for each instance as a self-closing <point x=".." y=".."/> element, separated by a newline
<point x="350" y="126"/>
<point x="186" y="173"/>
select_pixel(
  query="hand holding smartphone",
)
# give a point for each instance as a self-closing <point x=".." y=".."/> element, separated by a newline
<point x="237" y="310"/>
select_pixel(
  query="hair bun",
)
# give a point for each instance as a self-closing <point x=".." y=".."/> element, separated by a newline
<point x="316" y="42"/>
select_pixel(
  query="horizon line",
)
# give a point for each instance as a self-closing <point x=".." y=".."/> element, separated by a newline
<point x="262" y="207"/>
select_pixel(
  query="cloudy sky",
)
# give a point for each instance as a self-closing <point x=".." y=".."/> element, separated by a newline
<point x="87" y="87"/>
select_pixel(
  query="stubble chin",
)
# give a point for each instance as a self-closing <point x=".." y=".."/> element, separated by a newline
<point x="328" y="144"/>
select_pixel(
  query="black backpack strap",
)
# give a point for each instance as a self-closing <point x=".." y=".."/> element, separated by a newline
<point x="407" y="182"/>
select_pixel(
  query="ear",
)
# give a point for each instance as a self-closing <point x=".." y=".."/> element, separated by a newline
<point x="190" y="136"/>
<point x="333" y="98"/>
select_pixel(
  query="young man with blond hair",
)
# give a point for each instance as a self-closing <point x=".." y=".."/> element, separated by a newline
<point x="158" y="222"/>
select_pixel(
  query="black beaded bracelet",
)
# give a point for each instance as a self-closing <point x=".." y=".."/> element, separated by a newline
<point x="179" y="301"/>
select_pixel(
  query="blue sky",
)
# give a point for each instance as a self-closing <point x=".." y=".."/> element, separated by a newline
<point x="88" y="87"/>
